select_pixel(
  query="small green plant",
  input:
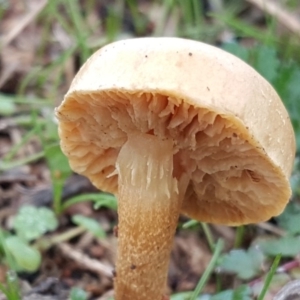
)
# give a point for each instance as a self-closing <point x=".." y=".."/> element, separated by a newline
<point x="245" y="264"/>
<point x="32" y="223"/>
<point x="99" y="200"/>
<point x="89" y="224"/>
<point x="289" y="220"/>
<point x="60" y="171"/>
<point x="78" y="294"/>
<point x="29" y="224"/>
<point x="11" y="288"/>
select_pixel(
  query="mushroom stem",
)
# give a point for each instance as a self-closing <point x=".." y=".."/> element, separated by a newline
<point x="149" y="207"/>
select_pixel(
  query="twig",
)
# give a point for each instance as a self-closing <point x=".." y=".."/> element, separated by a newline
<point x="23" y="22"/>
<point x="7" y="73"/>
<point x="4" y="166"/>
<point x="17" y="178"/>
<point x="48" y="242"/>
<point x="288" y="266"/>
<point x="286" y="18"/>
<point x="271" y="228"/>
<point x="107" y="296"/>
<point x="85" y="261"/>
<point x="6" y="211"/>
<point x="289" y="291"/>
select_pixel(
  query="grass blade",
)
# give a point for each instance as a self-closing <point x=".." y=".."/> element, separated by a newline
<point x="208" y="271"/>
<point x="269" y="277"/>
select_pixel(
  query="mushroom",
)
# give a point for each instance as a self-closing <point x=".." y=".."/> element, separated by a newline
<point x="175" y="126"/>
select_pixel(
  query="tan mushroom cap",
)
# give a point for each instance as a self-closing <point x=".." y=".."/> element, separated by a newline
<point x="232" y="134"/>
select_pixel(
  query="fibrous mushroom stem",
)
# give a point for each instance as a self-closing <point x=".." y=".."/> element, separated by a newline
<point x="149" y="206"/>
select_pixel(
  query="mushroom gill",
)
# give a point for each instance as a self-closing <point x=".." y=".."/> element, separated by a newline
<point x="226" y="167"/>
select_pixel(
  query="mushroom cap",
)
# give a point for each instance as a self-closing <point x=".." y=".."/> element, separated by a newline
<point x="232" y="134"/>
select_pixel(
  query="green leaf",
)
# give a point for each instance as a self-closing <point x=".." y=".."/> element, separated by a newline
<point x="243" y="292"/>
<point x="266" y="62"/>
<point x="60" y="171"/>
<point x="295" y="178"/>
<point x="27" y="257"/>
<point x="187" y="295"/>
<point x="31" y="222"/>
<point x="290" y="218"/>
<point x="90" y="225"/>
<point x="5" y="254"/>
<point x="7" y="106"/>
<point x="263" y="58"/>
<point x="100" y="200"/>
<point x="245" y="264"/>
<point x="78" y="294"/>
<point x="106" y="200"/>
<point x="190" y="223"/>
<point x="288" y="246"/>
<point x="57" y="162"/>
<point x="237" y="50"/>
<point x="288" y="87"/>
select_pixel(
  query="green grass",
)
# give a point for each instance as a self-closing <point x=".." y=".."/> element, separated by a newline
<point x="11" y="288"/>
<point x="269" y="277"/>
<point x="208" y="271"/>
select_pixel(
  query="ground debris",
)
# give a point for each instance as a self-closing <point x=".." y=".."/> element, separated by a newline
<point x="50" y="289"/>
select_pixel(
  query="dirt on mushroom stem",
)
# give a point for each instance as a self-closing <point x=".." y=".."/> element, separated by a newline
<point x="149" y="205"/>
